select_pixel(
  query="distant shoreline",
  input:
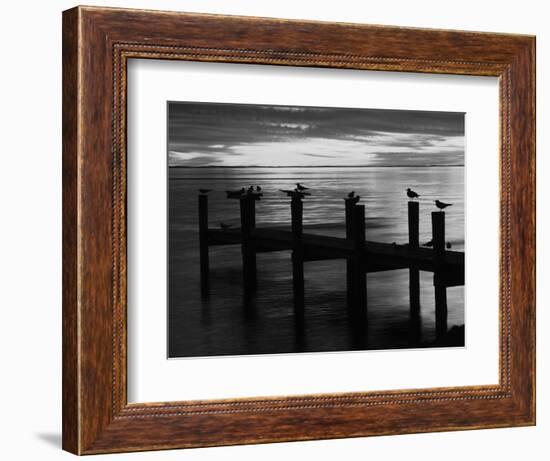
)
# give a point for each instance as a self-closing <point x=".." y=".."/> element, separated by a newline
<point x="316" y="166"/>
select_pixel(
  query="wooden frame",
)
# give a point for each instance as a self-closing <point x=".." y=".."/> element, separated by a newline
<point x="97" y="43"/>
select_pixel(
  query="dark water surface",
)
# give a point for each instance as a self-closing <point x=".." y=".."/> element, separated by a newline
<point x="224" y="325"/>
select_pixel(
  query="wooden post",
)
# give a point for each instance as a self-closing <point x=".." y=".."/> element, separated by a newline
<point x="248" y="219"/>
<point x="203" y="245"/>
<point x="297" y="256"/>
<point x="359" y="284"/>
<point x="414" y="274"/>
<point x="438" y="239"/>
<point x="349" y="263"/>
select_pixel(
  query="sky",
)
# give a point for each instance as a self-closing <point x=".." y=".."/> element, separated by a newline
<point x="210" y="134"/>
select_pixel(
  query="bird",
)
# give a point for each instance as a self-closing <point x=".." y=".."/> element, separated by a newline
<point x="351" y="194"/>
<point x="205" y="191"/>
<point x="235" y="193"/>
<point x="300" y="187"/>
<point x="294" y="193"/>
<point x="441" y="205"/>
<point x="258" y="189"/>
<point x="355" y="199"/>
<point x="448" y="245"/>
<point x="411" y="193"/>
<point x="250" y="190"/>
<point x="225" y="226"/>
<point x="299" y="193"/>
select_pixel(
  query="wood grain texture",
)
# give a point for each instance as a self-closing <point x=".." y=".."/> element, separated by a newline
<point x="97" y="43"/>
<point x="70" y="385"/>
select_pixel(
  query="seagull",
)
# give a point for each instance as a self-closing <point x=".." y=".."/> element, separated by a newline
<point x="235" y="193"/>
<point x="251" y="190"/>
<point x="238" y="191"/>
<point x="441" y="205"/>
<point x="294" y="193"/>
<point x="411" y="193"/>
<point x="225" y="226"/>
<point x="299" y="193"/>
<point x="205" y="191"/>
<point x="355" y="199"/>
<point x="300" y="187"/>
<point x="351" y="194"/>
<point x="258" y="189"/>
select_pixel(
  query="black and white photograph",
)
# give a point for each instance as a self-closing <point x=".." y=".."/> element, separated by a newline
<point x="298" y="229"/>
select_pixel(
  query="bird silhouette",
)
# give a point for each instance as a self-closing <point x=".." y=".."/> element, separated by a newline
<point x="300" y="194"/>
<point x="300" y="187"/>
<point x="225" y="226"/>
<point x="235" y="193"/>
<point x="294" y="193"/>
<point x="351" y="194"/>
<point x="205" y="191"/>
<point x="448" y="245"/>
<point x="355" y="199"/>
<point x="441" y="205"/>
<point x="258" y="189"/>
<point x="412" y="194"/>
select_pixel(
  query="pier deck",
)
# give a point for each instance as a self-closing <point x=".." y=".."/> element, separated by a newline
<point x="378" y="256"/>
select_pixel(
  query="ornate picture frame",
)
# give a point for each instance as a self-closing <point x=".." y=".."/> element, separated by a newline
<point x="97" y="44"/>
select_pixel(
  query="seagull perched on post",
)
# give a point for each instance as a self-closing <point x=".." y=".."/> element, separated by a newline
<point x="300" y="187"/>
<point x="235" y="193"/>
<point x="411" y="193"/>
<point x="205" y="191"/>
<point x="294" y="193"/>
<point x="441" y="205"/>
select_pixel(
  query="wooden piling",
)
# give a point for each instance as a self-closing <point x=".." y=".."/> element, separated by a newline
<point x="414" y="274"/>
<point x="438" y="240"/>
<point x="203" y="245"/>
<point x="349" y="263"/>
<point x="297" y="256"/>
<point x="248" y="221"/>
<point x="358" y="296"/>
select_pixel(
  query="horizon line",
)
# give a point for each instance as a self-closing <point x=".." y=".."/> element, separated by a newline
<point x="316" y="166"/>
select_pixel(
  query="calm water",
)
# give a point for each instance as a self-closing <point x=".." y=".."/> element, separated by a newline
<point x="223" y="325"/>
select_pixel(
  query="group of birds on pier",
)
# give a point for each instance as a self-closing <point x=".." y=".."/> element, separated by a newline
<point x="438" y="203"/>
<point x="255" y="191"/>
<point x="300" y="191"/>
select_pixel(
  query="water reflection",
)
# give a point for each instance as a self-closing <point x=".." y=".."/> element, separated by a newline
<point x="230" y="323"/>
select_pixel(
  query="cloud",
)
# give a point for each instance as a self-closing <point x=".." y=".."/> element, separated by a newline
<point x="243" y="134"/>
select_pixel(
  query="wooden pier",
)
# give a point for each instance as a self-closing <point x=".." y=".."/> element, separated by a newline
<point x="362" y="256"/>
